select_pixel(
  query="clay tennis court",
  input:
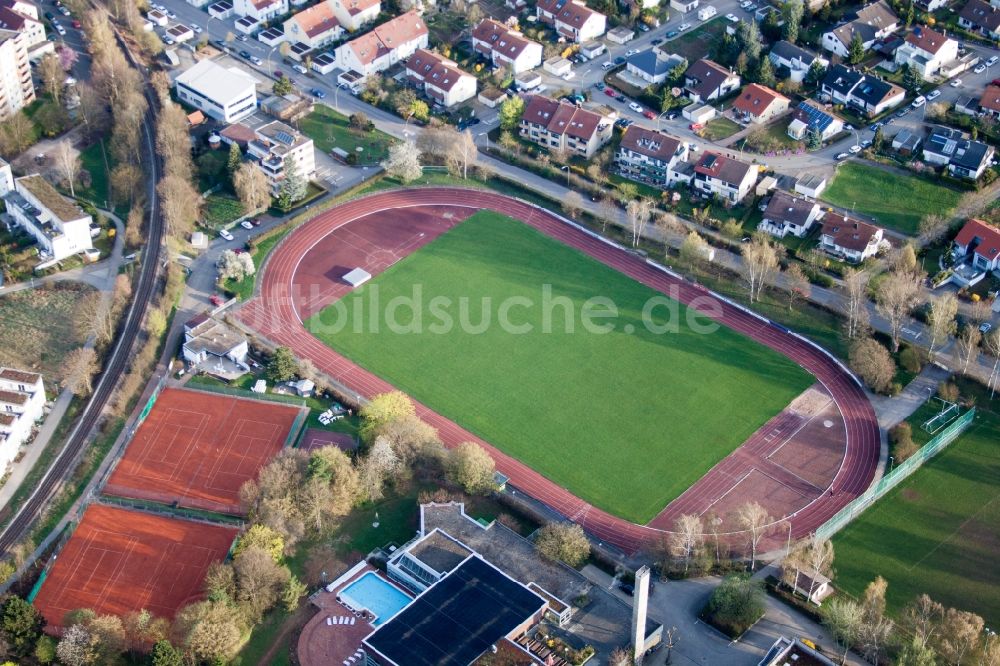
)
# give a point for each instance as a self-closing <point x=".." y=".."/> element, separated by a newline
<point x="120" y="560"/>
<point x="198" y="448"/>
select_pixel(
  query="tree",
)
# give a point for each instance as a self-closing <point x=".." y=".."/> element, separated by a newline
<point x="819" y="559"/>
<point x="815" y="74"/>
<point x="895" y="298"/>
<point x="259" y="581"/>
<point x="991" y="344"/>
<point x="638" y="212"/>
<point x="142" y="629"/>
<point x="282" y="86"/>
<point x="179" y="203"/>
<point x="67" y="162"/>
<point x="901" y="438"/>
<point x="695" y="249"/>
<point x="45" y="650"/>
<point x="563" y="542"/>
<point x="293" y="591"/>
<point x="572" y="204"/>
<point x="293" y="186"/>
<point x="735" y="604"/>
<point x="911" y="78"/>
<point x="878" y="140"/>
<point x="383" y="409"/>
<point x="472" y="468"/>
<point x="510" y="113"/>
<point x="765" y="72"/>
<point x="263" y="537"/>
<point x="462" y="151"/>
<point x="855" y="50"/>
<point x="360" y="122"/>
<point x="282" y="365"/>
<point x="251" y="187"/>
<point x="53" y="76"/>
<point x="211" y="631"/>
<point x="797" y="284"/>
<point x="235" y="159"/>
<point x="915" y="653"/>
<point x="792" y="12"/>
<point x="21" y="625"/>
<point x="749" y="40"/>
<point x="959" y="636"/>
<point x="377" y="467"/>
<point x="165" y="654"/>
<point x="873" y="363"/>
<point x="967" y="346"/>
<point x="403" y="162"/>
<point x="78" y="370"/>
<point x="108" y="634"/>
<point x="77" y="647"/>
<point x="941" y="319"/>
<point x="814" y="138"/>
<point x="754" y="520"/>
<point x="234" y="266"/>
<point x="687" y="538"/>
<point x="855" y="291"/>
<point x="843" y="618"/>
<point x="760" y="261"/>
<point x="875" y="627"/>
<point x="922" y="618"/>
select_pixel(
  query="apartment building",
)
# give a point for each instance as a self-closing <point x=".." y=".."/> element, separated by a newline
<point x="505" y="47"/>
<point x="654" y="158"/>
<point x="260" y="11"/>
<point x="572" y="19"/>
<point x="16" y="88"/>
<point x="559" y="125"/>
<point x="59" y="226"/>
<point x="22" y="401"/>
<point x="926" y="51"/>
<point x="384" y="46"/>
<point x="275" y="146"/>
<point x="724" y="177"/>
<point x="439" y="78"/>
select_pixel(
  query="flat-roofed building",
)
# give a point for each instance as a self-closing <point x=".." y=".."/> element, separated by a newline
<point x="61" y="228"/>
<point x="225" y="94"/>
<point x="276" y="146"/>
<point x="22" y="402"/>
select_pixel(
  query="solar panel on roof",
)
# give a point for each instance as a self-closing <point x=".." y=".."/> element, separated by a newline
<point x="285" y="138"/>
<point x="815" y="117"/>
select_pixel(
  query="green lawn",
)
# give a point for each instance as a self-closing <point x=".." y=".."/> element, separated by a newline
<point x="92" y="159"/>
<point x="221" y="209"/>
<point x="596" y="413"/>
<point x="937" y="532"/>
<point x="329" y="130"/>
<point x="694" y="44"/>
<point x="896" y="201"/>
<point x="719" y="128"/>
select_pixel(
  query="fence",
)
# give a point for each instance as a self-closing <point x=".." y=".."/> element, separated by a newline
<point x="296" y="429"/>
<point x="897" y="475"/>
<point x="172" y="511"/>
<point x="244" y="393"/>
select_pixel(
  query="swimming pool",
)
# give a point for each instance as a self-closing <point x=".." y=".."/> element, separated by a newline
<point x="379" y="597"/>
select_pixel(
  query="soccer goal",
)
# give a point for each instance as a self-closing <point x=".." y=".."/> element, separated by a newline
<point x="948" y="413"/>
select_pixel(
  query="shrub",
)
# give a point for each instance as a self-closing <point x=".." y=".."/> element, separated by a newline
<point x="901" y="438"/>
<point x="909" y="359"/>
<point x="948" y="391"/>
<point x="564" y="542"/>
<point x="735" y="605"/>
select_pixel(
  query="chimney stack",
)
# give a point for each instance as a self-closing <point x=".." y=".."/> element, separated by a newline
<point x="639" y="601"/>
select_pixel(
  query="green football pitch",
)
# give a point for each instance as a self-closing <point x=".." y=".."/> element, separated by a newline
<point x="938" y="532"/>
<point x="625" y="420"/>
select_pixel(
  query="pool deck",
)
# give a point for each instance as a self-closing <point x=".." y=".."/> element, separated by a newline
<point x="323" y="644"/>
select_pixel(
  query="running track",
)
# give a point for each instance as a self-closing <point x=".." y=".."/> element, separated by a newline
<point x="272" y="313"/>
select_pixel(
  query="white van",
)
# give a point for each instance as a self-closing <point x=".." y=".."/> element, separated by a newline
<point x="706" y="13"/>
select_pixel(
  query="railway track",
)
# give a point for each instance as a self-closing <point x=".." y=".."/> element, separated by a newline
<point x="68" y="458"/>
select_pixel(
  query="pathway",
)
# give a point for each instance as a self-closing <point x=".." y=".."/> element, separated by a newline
<point x="893" y="410"/>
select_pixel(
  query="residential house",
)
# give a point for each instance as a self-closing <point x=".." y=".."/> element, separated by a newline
<point x="652" y="65"/>
<point x="871" y="23"/>
<point x="705" y="81"/>
<point x="22" y="403"/>
<point x="788" y="214"/>
<point x="978" y="244"/>
<point x="276" y="146"/>
<point x="793" y="651"/>
<point x="621" y="34"/>
<point x="796" y="60"/>
<point x="385" y="45"/>
<point x="225" y="94"/>
<point x="759" y="104"/>
<point x="651" y="157"/>
<point x="964" y="157"/>
<point x="16" y="87"/>
<point x="439" y="78"/>
<point x="811" y="117"/>
<point x="505" y="47"/>
<point x="353" y="14"/>
<point x="926" y="51"/>
<point x="849" y="239"/>
<point x="211" y="342"/>
<point x="22" y="17"/>
<point x="931" y="6"/>
<point x="810" y="185"/>
<point x="982" y="17"/>
<point x="61" y="228"/>
<point x="989" y="103"/>
<point x="6" y="178"/>
<point x="724" y="177"/>
<point x="314" y="26"/>
<point x="572" y="19"/>
<point x="864" y="93"/>
<point x="559" y="125"/>
<point x="260" y="11"/>
<point x="906" y="142"/>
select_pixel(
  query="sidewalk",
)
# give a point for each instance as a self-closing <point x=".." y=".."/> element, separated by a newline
<point x="893" y="410"/>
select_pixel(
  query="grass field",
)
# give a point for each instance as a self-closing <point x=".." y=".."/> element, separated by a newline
<point x="719" y="128"/>
<point x="897" y="201"/>
<point x="330" y="130"/>
<point x="939" y="531"/>
<point x="596" y="413"/>
<point x="39" y="327"/>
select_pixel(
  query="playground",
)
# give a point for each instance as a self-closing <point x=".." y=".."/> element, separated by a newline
<point x="118" y="561"/>
<point x="196" y="449"/>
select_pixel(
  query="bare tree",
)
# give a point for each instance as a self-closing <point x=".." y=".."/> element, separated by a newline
<point x="895" y="298"/>
<point x="686" y="539"/>
<point x="760" y="261"/>
<point x="873" y="363"/>
<point x="967" y="346"/>
<point x="180" y="204"/>
<point x="608" y="212"/>
<point x="53" y="76"/>
<point x="855" y="291"/>
<point x="961" y="632"/>
<point x="378" y="467"/>
<point x="933" y="228"/>
<point x="876" y="627"/>
<point x="463" y="151"/>
<point x="78" y="370"/>
<point x="714" y="523"/>
<point x="991" y="343"/>
<point x="638" y="212"/>
<point x="251" y="187"/>
<point x="941" y="319"/>
<point x="797" y="284"/>
<point x="922" y="618"/>
<point x="695" y="250"/>
<point x="754" y="520"/>
<point x="572" y="204"/>
<point x="819" y="557"/>
<point x="67" y="162"/>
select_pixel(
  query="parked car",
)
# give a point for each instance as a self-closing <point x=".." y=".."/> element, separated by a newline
<point x="49" y="15"/>
<point x="902" y="112"/>
<point x="64" y="11"/>
<point x="671" y="34"/>
<point x="874" y="127"/>
<point x="683" y="26"/>
<point x="979" y="69"/>
<point x="245" y="54"/>
<point x="656" y="41"/>
<point x="300" y="69"/>
<point x="168" y="40"/>
<point x="598" y="85"/>
<point x="241" y="38"/>
<point x="866" y="143"/>
<point x="255" y="222"/>
<point x="76" y="23"/>
<point x="619" y="60"/>
<point x="317" y="93"/>
<point x="635" y="107"/>
<point x="246" y="224"/>
<point x="956" y="83"/>
<point x="992" y="61"/>
<point x="732" y="18"/>
<point x="171" y="15"/>
<point x="671" y="115"/>
<point x="649" y="114"/>
<point x="842" y="156"/>
<point x="855" y="149"/>
<point x="255" y="60"/>
<point x="643" y="27"/>
<point x="606" y="65"/>
<point x="61" y="30"/>
<point x="197" y="28"/>
<point x="630" y="53"/>
<point x="610" y="92"/>
<point x="932" y="95"/>
<point x="226" y="235"/>
<point x="919" y="102"/>
<point x="215" y="300"/>
<point x="694" y="127"/>
<point x="278" y="74"/>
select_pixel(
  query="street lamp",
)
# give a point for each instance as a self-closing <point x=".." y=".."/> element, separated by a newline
<point x="891" y="460"/>
<point x="267" y="67"/>
<point x="658" y="119"/>
<point x="788" y="543"/>
<point x="566" y="169"/>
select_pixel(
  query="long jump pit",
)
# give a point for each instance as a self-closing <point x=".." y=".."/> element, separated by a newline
<point x="197" y="449"/>
<point x="120" y="560"/>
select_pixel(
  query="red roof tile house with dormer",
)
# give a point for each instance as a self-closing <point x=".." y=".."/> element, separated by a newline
<point x="759" y="104"/>
<point x="439" y="78"/>
<point x="559" y="125"/>
<point x="385" y="45"/>
<point x="572" y="19"/>
<point x="850" y="239"/>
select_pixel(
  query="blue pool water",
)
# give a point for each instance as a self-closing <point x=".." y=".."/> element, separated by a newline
<point x="376" y="595"/>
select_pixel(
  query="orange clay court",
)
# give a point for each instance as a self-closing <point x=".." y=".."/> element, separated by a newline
<point x="119" y="561"/>
<point x="198" y="448"/>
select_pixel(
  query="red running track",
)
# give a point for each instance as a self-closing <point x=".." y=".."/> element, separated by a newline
<point x="273" y="314"/>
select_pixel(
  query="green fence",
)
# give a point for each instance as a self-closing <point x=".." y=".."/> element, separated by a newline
<point x="243" y="393"/>
<point x="893" y="478"/>
<point x="296" y="429"/>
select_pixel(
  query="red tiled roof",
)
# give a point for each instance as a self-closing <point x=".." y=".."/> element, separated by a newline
<point x="357" y="6"/>
<point x="988" y="236"/>
<point x="755" y="99"/>
<point x="724" y="168"/>
<point x="388" y="36"/>
<point x="434" y="69"/>
<point x="317" y="19"/>
<point x="847" y="233"/>
<point x="926" y="39"/>
<point x="652" y="144"/>
<point x="13" y="397"/>
<point x="561" y="117"/>
<point x="500" y="38"/>
<point x="990" y="100"/>
<point x="10" y="374"/>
